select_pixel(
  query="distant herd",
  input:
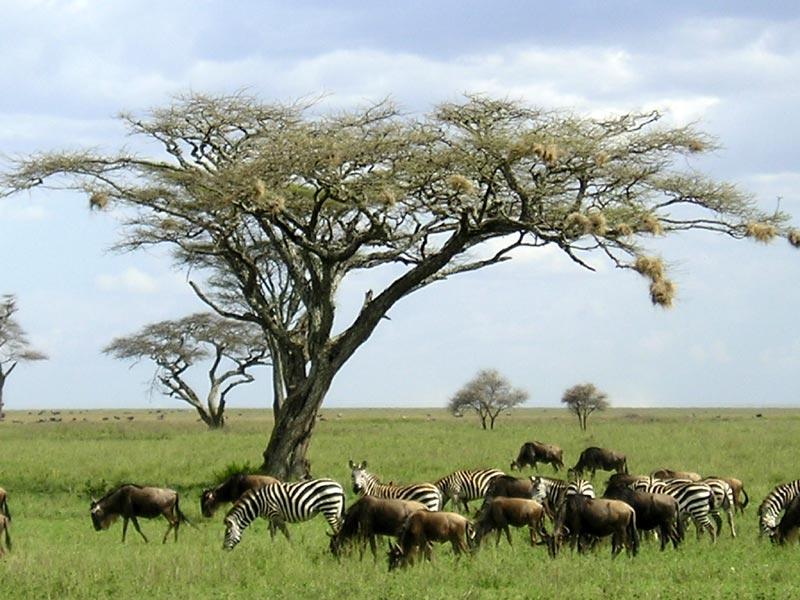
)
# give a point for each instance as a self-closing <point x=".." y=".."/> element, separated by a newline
<point x="662" y="502"/>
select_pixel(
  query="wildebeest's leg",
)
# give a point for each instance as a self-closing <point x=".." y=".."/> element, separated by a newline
<point x="665" y="535"/>
<point x="616" y="543"/>
<point x="508" y="534"/>
<point x="124" y="528"/>
<point x="139" y="529"/>
<point x="373" y="545"/>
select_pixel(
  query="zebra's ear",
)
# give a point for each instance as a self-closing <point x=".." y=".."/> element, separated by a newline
<point x="351" y="464"/>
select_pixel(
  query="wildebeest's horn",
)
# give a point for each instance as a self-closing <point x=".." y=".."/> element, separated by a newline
<point x="364" y="465"/>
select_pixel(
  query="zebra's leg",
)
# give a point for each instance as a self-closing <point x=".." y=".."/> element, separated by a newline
<point x="284" y="530"/>
<point x="718" y="520"/>
<point x="730" y="512"/>
<point x="139" y="529"/>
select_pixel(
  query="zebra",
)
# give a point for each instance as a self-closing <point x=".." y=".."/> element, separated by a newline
<point x="552" y="492"/>
<point x="466" y="485"/>
<point x="695" y="500"/>
<point x="723" y="500"/>
<point x="367" y="484"/>
<point x="773" y="504"/>
<point x="285" y="502"/>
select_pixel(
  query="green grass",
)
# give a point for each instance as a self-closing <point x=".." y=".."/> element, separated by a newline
<point x="50" y="470"/>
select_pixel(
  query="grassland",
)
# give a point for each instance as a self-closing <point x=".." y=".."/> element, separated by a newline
<point x="51" y="468"/>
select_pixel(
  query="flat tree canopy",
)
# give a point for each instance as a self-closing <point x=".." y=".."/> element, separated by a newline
<point x="487" y="394"/>
<point x="231" y="349"/>
<point x="584" y="399"/>
<point x="270" y="207"/>
<point x="14" y="345"/>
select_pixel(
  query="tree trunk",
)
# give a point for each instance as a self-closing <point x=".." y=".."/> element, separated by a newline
<point x="215" y="417"/>
<point x="2" y="406"/>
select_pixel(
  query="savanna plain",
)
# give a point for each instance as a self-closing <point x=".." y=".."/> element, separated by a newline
<point x="52" y="468"/>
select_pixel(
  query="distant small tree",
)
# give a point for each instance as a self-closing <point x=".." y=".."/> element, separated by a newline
<point x="583" y="400"/>
<point x="14" y="345"/>
<point x="488" y="394"/>
<point x="233" y="347"/>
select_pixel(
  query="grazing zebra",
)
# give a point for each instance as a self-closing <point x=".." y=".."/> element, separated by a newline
<point x="774" y="503"/>
<point x="695" y="500"/>
<point x="723" y="500"/>
<point x="465" y="486"/>
<point x="552" y="492"/>
<point x="285" y="502"/>
<point x="367" y="484"/>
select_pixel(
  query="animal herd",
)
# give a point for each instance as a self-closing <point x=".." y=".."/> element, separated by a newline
<point x="631" y="506"/>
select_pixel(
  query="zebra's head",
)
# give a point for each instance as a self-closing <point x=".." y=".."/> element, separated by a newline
<point x="360" y="477"/>
<point x="539" y="488"/>
<point x="233" y="534"/>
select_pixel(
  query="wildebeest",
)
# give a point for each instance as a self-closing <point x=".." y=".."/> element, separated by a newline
<point x="497" y="514"/>
<point x="787" y="527"/>
<point x="131" y="501"/>
<point x="511" y="487"/>
<point x="231" y="490"/>
<point x="370" y="517"/>
<point x="582" y="519"/>
<point x="652" y="511"/>
<point x="535" y="452"/>
<point x="5" y="525"/>
<point x="422" y="528"/>
<point x="737" y="487"/>
<point x="594" y="458"/>
<point x="672" y="474"/>
<point x="4" y="504"/>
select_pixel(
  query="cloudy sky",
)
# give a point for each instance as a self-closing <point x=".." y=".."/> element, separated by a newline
<point x="67" y="68"/>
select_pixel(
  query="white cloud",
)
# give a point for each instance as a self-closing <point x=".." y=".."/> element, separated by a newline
<point x="28" y="212"/>
<point x="130" y="280"/>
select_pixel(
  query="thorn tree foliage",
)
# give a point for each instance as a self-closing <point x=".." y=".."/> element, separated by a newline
<point x="487" y="394"/>
<point x="14" y="345"/>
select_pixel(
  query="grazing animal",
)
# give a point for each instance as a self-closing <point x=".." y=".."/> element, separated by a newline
<point x="532" y="453"/>
<point x="367" y="484"/>
<point x="552" y="492"/>
<point x="131" y="501"/>
<point x="695" y="500"/>
<point x="653" y="511"/>
<point x="231" y="490"/>
<point x="737" y="487"/>
<point x="497" y="514"/>
<point x="422" y="528"/>
<point x="5" y="525"/>
<point x="670" y="474"/>
<point x="4" y="504"/>
<point x="594" y="458"/>
<point x="465" y="486"/>
<point x="511" y="487"/>
<point x="787" y="528"/>
<point x="370" y="517"/>
<point x="582" y="519"/>
<point x="723" y="500"/>
<point x="283" y="503"/>
<point x="774" y="503"/>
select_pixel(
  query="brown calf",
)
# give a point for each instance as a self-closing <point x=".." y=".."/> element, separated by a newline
<point x="787" y="528"/>
<point x="370" y="517"/>
<point x="737" y="487"/>
<point x="672" y="474"/>
<point x="231" y="490"/>
<point x="497" y="514"/>
<point x="510" y="487"/>
<point x="5" y="524"/>
<point x="583" y="519"/>
<point x="532" y="453"/>
<point x="594" y="458"/>
<point x="422" y="528"/>
<point x="4" y="504"/>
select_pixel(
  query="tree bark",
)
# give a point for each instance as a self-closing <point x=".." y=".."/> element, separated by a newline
<point x="2" y="406"/>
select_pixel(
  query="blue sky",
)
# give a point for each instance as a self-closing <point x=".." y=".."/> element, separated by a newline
<point x="68" y="67"/>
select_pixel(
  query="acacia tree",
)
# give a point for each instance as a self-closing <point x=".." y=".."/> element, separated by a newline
<point x="232" y="347"/>
<point x="584" y="399"/>
<point x="14" y="345"/>
<point x="488" y="394"/>
<point x="276" y="207"/>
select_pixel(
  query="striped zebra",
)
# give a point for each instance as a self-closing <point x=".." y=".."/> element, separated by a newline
<point x="695" y="500"/>
<point x="466" y="485"/>
<point x="774" y="503"/>
<point x="723" y="501"/>
<point x="283" y="503"/>
<point x="367" y="484"/>
<point x="552" y="492"/>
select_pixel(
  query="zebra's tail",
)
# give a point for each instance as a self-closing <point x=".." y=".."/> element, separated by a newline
<point x="746" y="498"/>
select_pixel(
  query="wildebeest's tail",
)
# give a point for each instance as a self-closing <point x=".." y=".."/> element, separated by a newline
<point x="182" y="517"/>
<point x="633" y="535"/>
<point x="681" y="526"/>
<point x="4" y="509"/>
<point x="8" y="537"/>
<point x="625" y="465"/>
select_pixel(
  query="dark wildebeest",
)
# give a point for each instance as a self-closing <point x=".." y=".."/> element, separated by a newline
<point x="4" y="504"/>
<point x="511" y="487"/>
<point x="652" y="511"/>
<point x="231" y="490"/>
<point x="787" y="527"/>
<point x="583" y="519"/>
<point x="535" y="452"/>
<point x="131" y="501"/>
<point x="625" y="479"/>
<point x="5" y="524"/>
<point x="422" y="528"/>
<point x="594" y="458"/>
<point x="370" y="517"/>
<point x="737" y="487"/>
<point x="497" y="514"/>
<point x="672" y="474"/>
